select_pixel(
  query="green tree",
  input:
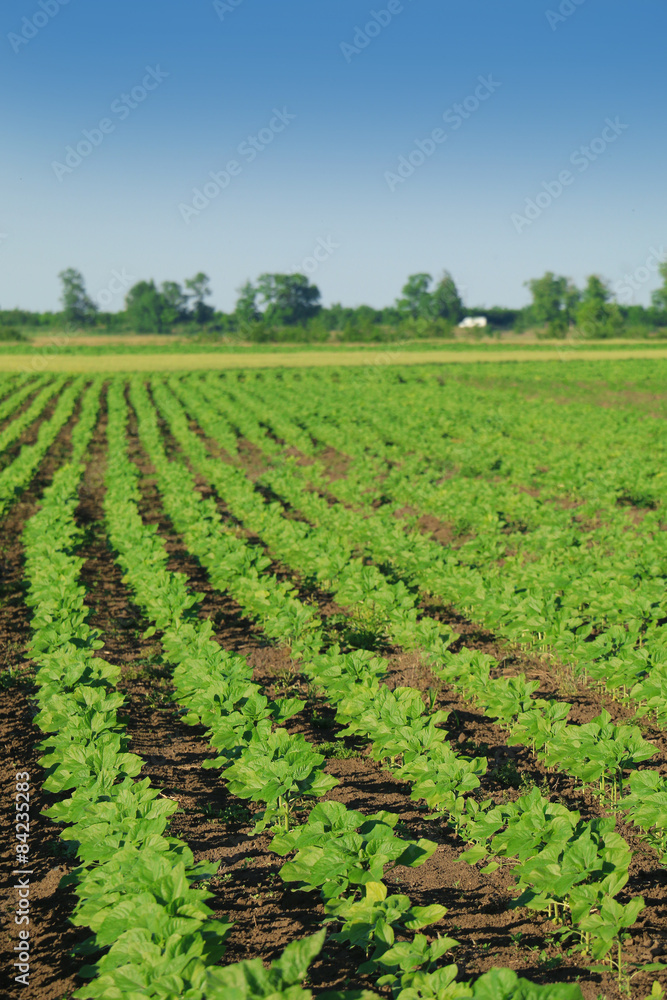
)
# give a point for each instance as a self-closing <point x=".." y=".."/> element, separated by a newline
<point x="596" y="290"/>
<point x="336" y="316"/>
<point x="246" y="310"/>
<point x="288" y="299"/>
<point x="596" y="316"/>
<point x="416" y="300"/>
<point x="446" y="301"/>
<point x="554" y="300"/>
<point x="659" y="297"/>
<point x="175" y="303"/>
<point x="419" y="302"/>
<point x="199" y="289"/>
<point x="78" y="309"/>
<point x="147" y="309"/>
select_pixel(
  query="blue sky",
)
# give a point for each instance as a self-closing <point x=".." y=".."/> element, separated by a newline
<point x="335" y="112"/>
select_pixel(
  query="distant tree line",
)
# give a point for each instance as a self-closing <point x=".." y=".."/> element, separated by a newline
<point x="287" y="307"/>
<point x="559" y="307"/>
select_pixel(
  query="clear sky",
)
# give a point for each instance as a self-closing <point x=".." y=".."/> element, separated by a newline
<point x="305" y="110"/>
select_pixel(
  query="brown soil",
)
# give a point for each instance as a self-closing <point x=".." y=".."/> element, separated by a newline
<point x="439" y="531"/>
<point x="337" y="464"/>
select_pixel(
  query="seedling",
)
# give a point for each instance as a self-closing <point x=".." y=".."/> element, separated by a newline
<point x="338" y="751"/>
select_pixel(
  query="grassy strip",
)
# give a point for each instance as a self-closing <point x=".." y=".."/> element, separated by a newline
<point x="108" y="362"/>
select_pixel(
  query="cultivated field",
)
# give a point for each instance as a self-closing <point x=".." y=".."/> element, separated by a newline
<point x="376" y="653"/>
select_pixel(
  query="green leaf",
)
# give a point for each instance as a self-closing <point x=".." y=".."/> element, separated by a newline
<point x="295" y="959"/>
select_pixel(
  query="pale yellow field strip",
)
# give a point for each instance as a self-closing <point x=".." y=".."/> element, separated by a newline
<point x="112" y="363"/>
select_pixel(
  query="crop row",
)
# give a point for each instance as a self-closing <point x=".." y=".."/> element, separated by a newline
<point x="16" y="392"/>
<point x="480" y="433"/>
<point x="16" y="476"/>
<point x="340" y="529"/>
<point x="261" y="763"/>
<point x="598" y="752"/>
<point x="14" y="429"/>
<point x="398" y="711"/>
<point x="134" y="883"/>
